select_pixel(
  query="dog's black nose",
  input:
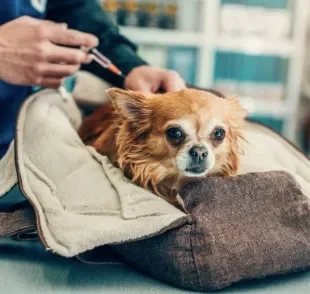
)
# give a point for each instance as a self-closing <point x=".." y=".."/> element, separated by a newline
<point x="198" y="153"/>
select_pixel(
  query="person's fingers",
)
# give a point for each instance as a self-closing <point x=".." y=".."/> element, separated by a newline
<point x="134" y="84"/>
<point x="49" y="70"/>
<point x="70" y="37"/>
<point x="58" y="54"/>
<point x="172" y="81"/>
<point x="88" y="59"/>
<point x="152" y="80"/>
<point x="51" y="82"/>
<point x="61" y="25"/>
<point x="60" y="70"/>
<point x="59" y="33"/>
<point x="38" y="22"/>
<point x="44" y="29"/>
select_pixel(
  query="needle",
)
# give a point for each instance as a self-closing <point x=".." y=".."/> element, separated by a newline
<point x="104" y="61"/>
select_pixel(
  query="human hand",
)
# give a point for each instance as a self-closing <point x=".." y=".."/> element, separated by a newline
<point x="32" y="52"/>
<point x="151" y="79"/>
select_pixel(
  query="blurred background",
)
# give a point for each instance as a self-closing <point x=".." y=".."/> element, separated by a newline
<point x="256" y="49"/>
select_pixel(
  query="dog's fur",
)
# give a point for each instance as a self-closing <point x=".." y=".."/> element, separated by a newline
<point x="131" y="131"/>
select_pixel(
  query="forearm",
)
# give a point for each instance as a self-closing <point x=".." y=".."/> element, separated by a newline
<point x="87" y="16"/>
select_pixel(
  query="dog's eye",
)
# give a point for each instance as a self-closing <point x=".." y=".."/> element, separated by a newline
<point x="175" y="134"/>
<point x="218" y="135"/>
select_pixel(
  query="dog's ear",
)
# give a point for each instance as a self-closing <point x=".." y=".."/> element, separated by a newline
<point x="236" y="112"/>
<point x="236" y="119"/>
<point x="129" y="104"/>
<point x="133" y="106"/>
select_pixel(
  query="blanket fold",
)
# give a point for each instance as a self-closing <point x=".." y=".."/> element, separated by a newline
<point x="81" y="201"/>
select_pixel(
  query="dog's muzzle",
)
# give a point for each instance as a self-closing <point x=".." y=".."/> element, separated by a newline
<point x="198" y="160"/>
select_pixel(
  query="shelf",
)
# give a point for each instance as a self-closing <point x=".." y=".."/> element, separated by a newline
<point x="264" y="107"/>
<point x="255" y="45"/>
<point x="249" y="45"/>
<point x="154" y="36"/>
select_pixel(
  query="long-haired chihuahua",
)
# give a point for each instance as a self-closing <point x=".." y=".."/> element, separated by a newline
<point x="161" y="140"/>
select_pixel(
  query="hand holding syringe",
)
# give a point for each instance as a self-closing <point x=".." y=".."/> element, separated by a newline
<point x="102" y="61"/>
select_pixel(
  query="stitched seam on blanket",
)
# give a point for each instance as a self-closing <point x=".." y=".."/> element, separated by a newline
<point x="8" y="177"/>
<point x="41" y="176"/>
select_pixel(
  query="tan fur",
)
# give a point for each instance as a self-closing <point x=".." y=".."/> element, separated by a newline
<point x="131" y="132"/>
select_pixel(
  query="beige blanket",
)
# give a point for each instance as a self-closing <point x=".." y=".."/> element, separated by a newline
<point x="267" y="151"/>
<point x="81" y="201"/>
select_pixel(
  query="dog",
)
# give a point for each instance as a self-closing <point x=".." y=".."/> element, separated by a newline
<point x="160" y="141"/>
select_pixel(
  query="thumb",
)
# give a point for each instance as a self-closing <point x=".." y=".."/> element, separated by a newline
<point x="138" y="85"/>
<point x="173" y="82"/>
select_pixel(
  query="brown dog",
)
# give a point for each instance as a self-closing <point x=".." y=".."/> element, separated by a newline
<point x="160" y="140"/>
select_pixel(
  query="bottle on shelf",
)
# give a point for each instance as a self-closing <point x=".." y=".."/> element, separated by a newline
<point x="143" y="15"/>
<point x="111" y="7"/>
<point x="168" y="17"/>
<point x="149" y="14"/>
<point x="121" y="13"/>
<point x="131" y="14"/>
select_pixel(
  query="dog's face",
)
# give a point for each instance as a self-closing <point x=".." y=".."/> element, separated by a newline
<point x="188" y="133"/>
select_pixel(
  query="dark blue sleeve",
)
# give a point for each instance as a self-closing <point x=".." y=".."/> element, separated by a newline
<point x="88" y="16"/>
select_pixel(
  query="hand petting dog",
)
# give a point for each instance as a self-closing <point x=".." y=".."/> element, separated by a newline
<point x="152" y="80"/>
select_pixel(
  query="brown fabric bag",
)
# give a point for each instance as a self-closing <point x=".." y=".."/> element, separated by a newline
<point x="243" y="227"/>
